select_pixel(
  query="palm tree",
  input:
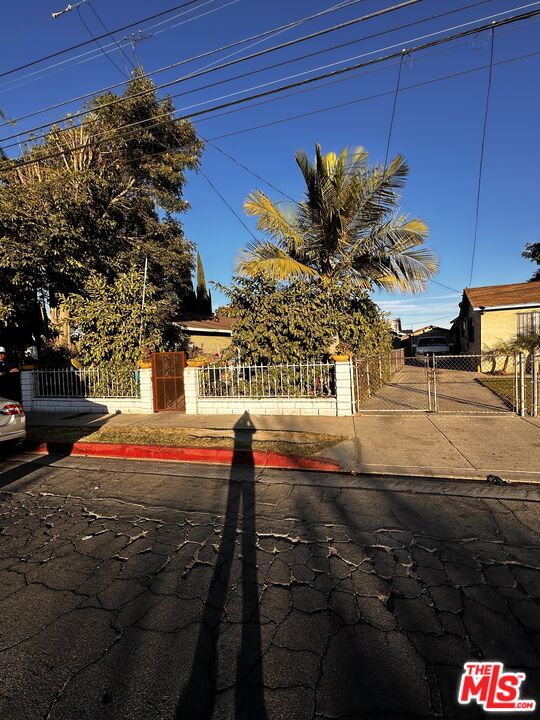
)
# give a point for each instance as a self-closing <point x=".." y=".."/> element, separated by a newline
<point x="347" y="226"/>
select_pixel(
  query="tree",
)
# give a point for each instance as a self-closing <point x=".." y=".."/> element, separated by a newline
<point x="532" y="252"/>
<point x="347" y="226"/>
<point x="107" y="320"/>
<point x="204" y="299"/>
<point x="300" y="320"/>
<point x="95" y="198"/>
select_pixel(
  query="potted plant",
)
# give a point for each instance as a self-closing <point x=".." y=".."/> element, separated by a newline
<point x="342" y="353"/>
<point x="146" y="358"/>
<point x="199" y="360"/>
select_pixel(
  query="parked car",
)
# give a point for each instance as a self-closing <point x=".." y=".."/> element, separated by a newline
<point x="12" y="421"/>
<point x="436" y="345"/>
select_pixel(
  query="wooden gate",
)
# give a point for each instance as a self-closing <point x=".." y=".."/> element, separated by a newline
<point x="168" y="381"/>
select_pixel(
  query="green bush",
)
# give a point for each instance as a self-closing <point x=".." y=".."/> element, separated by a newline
<point x="303" y="320"/>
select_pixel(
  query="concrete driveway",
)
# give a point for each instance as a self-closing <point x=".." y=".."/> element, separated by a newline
<point x="143" y="590"/>
<point x="458" y="390"/>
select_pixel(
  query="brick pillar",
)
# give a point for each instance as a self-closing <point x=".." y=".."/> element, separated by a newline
<point x="27" y="389"/>
<point x="147" y="396"/>
<point x="191" y="389"/>
<point x="344" y="390"/>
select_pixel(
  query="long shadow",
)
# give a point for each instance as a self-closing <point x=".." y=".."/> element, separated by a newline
<point x="198" y="698"/>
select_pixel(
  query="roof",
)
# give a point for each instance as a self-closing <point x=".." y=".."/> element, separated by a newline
<point x="200" y="323"/>
<point x="495" y="296"/>
<point x="426" y="329"/>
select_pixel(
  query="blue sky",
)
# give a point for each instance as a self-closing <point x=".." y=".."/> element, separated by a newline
<point x="437" y="126"/>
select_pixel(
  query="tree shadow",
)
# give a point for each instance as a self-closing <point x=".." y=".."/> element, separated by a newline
<point x="198" y="697"/>
<point x="429" y="592"/>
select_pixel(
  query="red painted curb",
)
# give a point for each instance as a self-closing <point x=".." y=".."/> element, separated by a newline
<point x="219" y="456"/>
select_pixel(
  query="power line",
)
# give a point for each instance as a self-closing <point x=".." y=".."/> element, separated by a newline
<point x="119" y="100"/>
<point x="355" y="101"/>
<point x="93" y="54"/>
<point x="117" y="44"/>
<point x="244" y="167"/>
<point x="301" y="83"/>
<point x="452" y="75"/>
<point x="393" y="115"/>
<point x="230" y="63"/>
<point x="107" y="56"/>
<point x="263" y="35"/>
<point x="482" y="148"/>
<point x="225" y="202"/>
<point x="436" y="282"/>
<point x="57" y="53"/>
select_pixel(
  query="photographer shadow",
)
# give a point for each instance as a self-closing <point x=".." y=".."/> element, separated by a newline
<point x="198" y="698"/>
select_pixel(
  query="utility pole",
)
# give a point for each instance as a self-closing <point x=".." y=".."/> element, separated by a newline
<point x="143" y="300"/>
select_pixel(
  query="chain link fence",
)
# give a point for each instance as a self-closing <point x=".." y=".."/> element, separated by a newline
<point x="489" y="383"/>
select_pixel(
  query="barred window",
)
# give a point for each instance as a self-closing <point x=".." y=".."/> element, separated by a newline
<point x="528" y="322"/>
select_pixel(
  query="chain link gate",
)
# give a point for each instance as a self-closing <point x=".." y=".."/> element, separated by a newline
<point x="475" y="384"/>
<point x="484" y="384"/>
<point x="392" y="383"/>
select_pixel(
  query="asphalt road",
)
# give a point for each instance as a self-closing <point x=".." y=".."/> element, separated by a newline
<point x="145" y="591"/>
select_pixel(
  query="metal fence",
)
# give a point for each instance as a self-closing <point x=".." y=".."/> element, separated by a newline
<point x="489" y="383"/>
<point x="303" y="380"/>
<point x="370" y="374"/>
<point x="87" y="383"/>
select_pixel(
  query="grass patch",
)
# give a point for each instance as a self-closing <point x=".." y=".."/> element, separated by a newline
<point x="503" y="387"/>
<point x="301" y="444"/>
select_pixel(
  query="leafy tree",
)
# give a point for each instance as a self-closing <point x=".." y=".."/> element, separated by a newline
<point x="347" y="226"/>
<point x="107" y="320"/>
<point x="301" y="320"/>
<point x="204" y="299"/>
<point x="97" y="199"/>
<point x="532" y="252"/>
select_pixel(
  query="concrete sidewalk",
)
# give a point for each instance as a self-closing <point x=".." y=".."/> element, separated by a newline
<point x="432" y="445"/>
<point x="437" y="445"/>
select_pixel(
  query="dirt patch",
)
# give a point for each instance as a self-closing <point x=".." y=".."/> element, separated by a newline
<point x="299" y="444"/>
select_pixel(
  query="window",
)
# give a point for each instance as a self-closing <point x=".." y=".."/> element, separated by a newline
<point x="470" y="329"/>
<point x="528" y="323"/>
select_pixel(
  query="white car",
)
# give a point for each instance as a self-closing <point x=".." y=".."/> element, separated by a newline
<point x="12" y="421"/>
<point x="432" y="346"/>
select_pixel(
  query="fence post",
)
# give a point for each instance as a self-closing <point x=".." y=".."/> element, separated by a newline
<point x="431" y="374"/>
<point x="191" y="389"/>
<point x="522" y="400"/>
<point x="146" y="390"/>
<point x="535" y="359"/>
<point x="27" y="389"/>
<point x="344" y="388"/>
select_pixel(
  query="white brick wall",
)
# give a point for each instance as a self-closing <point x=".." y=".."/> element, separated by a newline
<point x="143" y="405"/>
<point x="255" y="406"/>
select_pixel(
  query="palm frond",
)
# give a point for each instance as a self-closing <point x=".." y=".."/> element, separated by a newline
<point x="278" y="221"/>
<point x="268" y="259"/>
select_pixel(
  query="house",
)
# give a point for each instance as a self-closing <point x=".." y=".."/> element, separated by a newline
<point x="210" y="334"/>
<point x="413" y="336"/>
<point x="495" y="314"/>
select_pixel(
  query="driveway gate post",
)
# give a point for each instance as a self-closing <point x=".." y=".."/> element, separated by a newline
<point x="521" y="386"/>
<point x="534" y="379"/>
<point x="431" y="375"/>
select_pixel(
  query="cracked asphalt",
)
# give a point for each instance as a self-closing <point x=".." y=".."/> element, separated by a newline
<point x="143" y="590"/>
